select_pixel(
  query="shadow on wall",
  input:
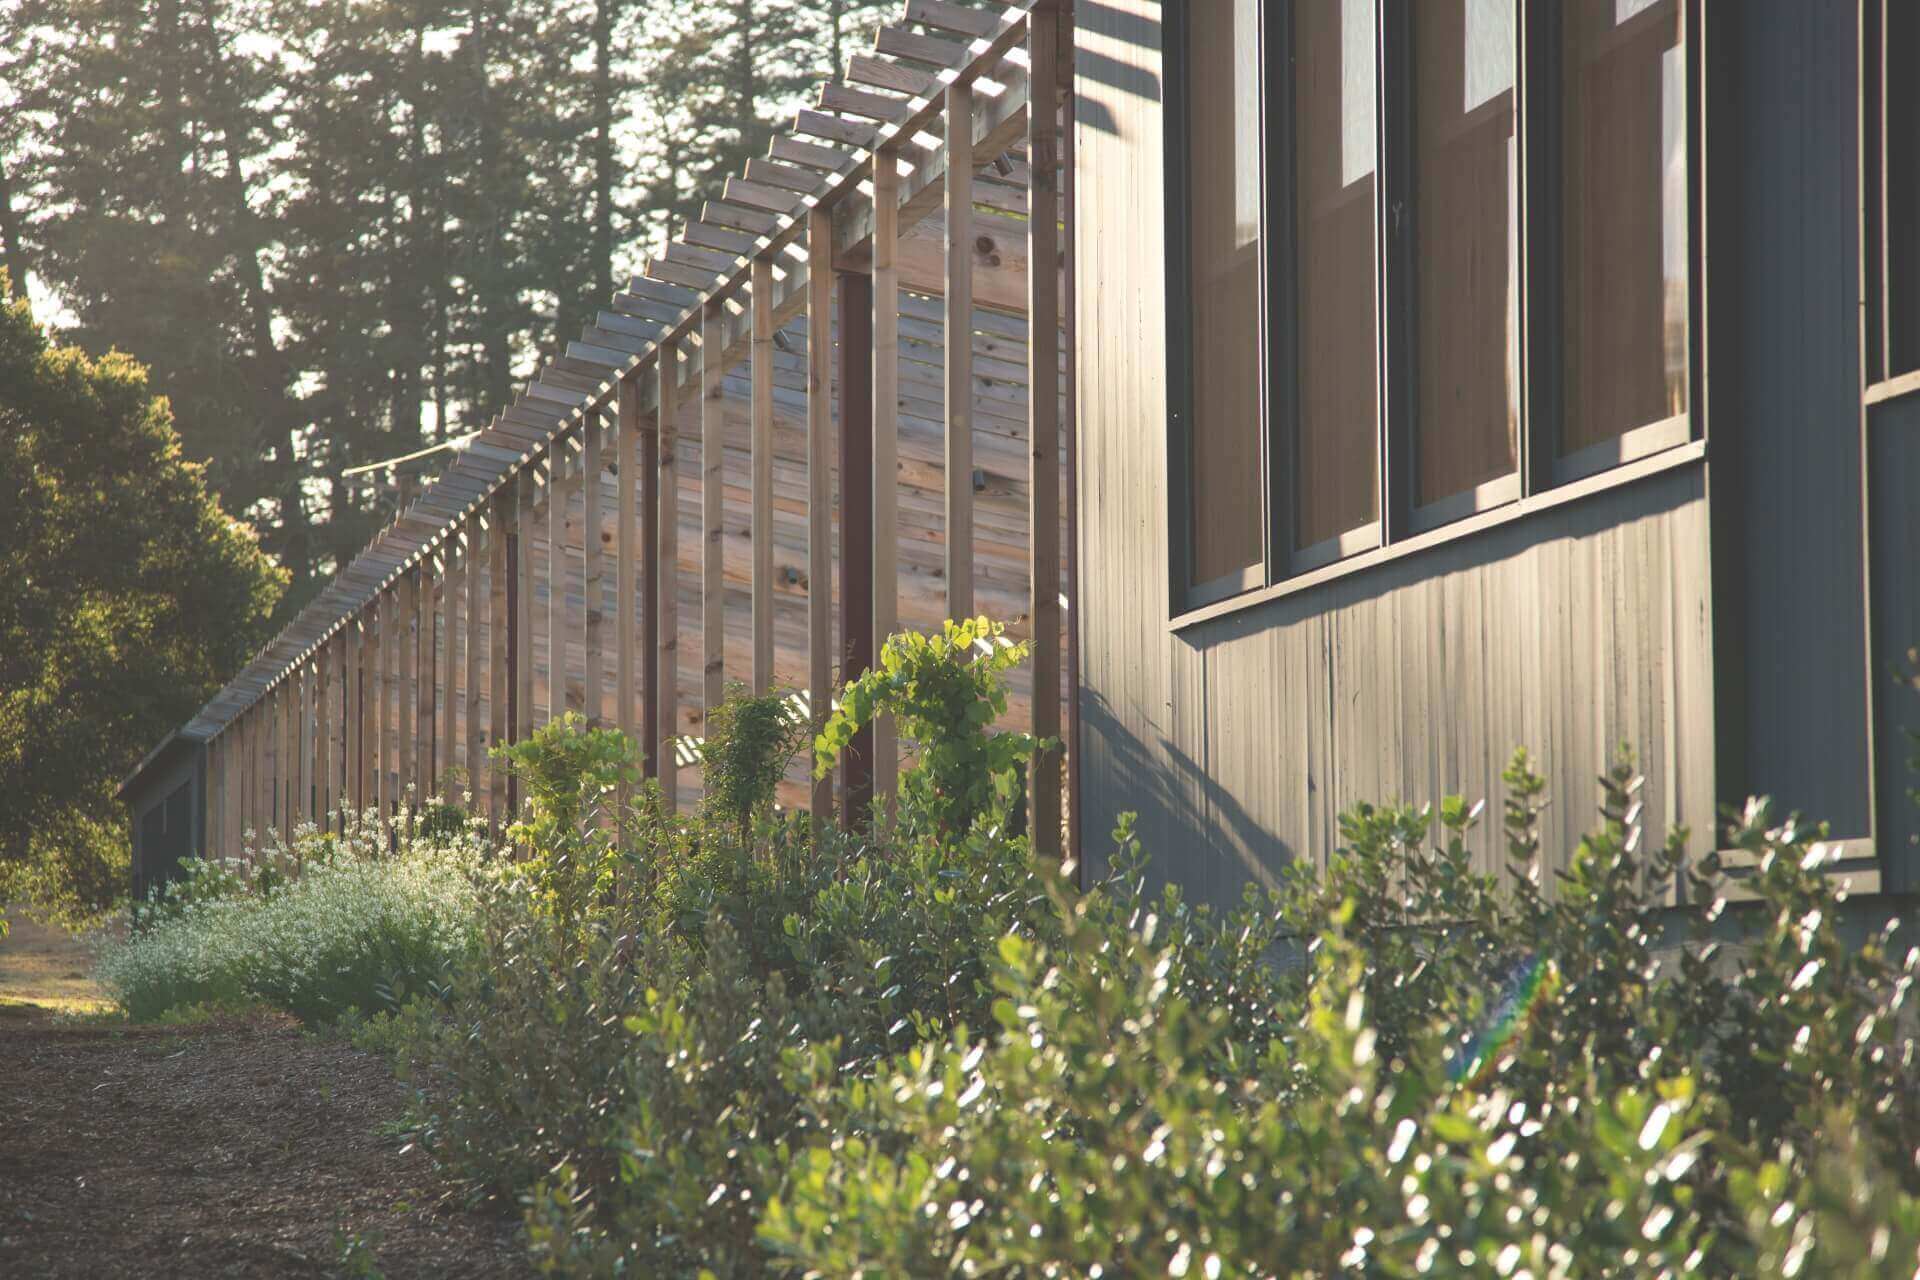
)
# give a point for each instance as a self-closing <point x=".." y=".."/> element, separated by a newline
<point x="1183" y="813"/>
<point x="1092" y="68"/>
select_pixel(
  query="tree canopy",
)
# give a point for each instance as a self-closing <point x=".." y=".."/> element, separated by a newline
<point x="130" y="598"/>
<point x="337" y="230"/>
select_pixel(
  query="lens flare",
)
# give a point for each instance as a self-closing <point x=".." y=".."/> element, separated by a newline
<point x="1530" y="982"/>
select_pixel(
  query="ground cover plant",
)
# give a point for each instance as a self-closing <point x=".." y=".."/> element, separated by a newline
<point x="327" y="925"/>
<point x="732" y="1044"/>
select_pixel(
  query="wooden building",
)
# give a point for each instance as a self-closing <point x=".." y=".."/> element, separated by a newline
<point x="1340" y="394"/>
<point x="1495" y="374"/>
<point x="830" y="409"/>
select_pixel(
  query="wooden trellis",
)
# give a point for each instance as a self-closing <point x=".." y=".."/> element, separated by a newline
<point x="677" y="472"/>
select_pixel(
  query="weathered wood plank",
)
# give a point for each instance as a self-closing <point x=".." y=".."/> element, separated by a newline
<point x="593" y="570"/>
<point x="959" y="340"/>
<point x="886" y="444"/>
<point x="664" y="599"/>
<point x="819" y="488"/>
<point x="761" y="300"/>
<point x="474" y="678"/>
<point x="628" y="467"/>
<point x="713" y="459"/>
<point x="447" y="660"/>
<point x="1043" y="416"/>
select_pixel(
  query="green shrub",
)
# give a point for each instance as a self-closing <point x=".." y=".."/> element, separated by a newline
<point x="733" y="1044"/>
<point x="325" y="925"/>
<point x="945" y="691"/>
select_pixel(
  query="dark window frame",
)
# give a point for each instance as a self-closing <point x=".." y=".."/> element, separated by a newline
<point x="1543" y="475"/>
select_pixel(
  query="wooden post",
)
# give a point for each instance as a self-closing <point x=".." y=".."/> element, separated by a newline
<point x="287" y="774"/>
<point x="353" y="792"/>
<point x="257" y="811"/>
<point x="760" y="298"/>
<point x="323" y="736"/>
<point x="302" y="680"/>
<point x="380" y="671"/>
<point x="408" y="635"/>
<point x="713" y="585"/>
<point x="447" y="743"/>
<point x="856" y="525"/>
<point x="1043" y="413"/>
<point x="662" y="726"/>
<point x="820" y="488"/>
<point x="592" y="569"/>
<point x="502" y="564"/>
<point x="522" y="718"/>
<point x="886" y="442"/>
<point x="475" y="679"/>
<point x="629" y="467"/>
<point x="559" y="492"/>
<point x="959" y="338"/>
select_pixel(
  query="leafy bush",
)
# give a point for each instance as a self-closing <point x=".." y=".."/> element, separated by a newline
<point x="328" y="924"/>
<point x="945" y="691"/>
<point x="744" y="1045"/>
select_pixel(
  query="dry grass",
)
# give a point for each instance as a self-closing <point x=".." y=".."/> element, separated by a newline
<point x="45" y="970"/>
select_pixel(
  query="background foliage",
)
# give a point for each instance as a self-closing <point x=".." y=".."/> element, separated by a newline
<point x="336" y="230"/>
<point x="129" y="597"/>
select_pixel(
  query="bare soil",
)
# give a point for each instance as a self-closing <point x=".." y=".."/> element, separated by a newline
<point x="237" y="1147"/>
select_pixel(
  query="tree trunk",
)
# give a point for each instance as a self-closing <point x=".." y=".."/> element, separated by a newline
<point x="12" y="253"/>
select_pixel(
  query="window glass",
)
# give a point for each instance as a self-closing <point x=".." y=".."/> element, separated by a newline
<point x="1900" y="136"/>
<point x="1465" y="261"/>
<point x="1625" y="217"/>
<point x="1224" y="243"/>
<point x="1336" y="483"/>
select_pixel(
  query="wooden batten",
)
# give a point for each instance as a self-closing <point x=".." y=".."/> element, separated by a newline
<point x="819" y="124"/>
<point x="663" y="598"/>
<point x="480" y="622"/>
<point x="886" y="444"/>
<point x="447" y="671"/>
<point x="522" y="717"/>
<point x="593" y="570"/>
<point x="959" y="339"/>
<point x="1043" y="418"/>
<point x="882" y="74"/>
<point x="946" y="16"/>
<point x="713" y="607"/>
<point x="761" y="301"/>
<point x="502" y="563"/>
<point x="628" y="468"/>
<point x="820" y="488"/>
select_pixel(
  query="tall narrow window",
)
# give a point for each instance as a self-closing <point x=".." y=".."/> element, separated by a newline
<point x="1899" y="131"/>
<point x="1223" y="95"/>
<point x="1465" y="254"/>
<point x="1624" y="229"/>
<point x="1335" y="484"/>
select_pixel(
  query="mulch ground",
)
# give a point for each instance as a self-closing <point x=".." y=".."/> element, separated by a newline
<point x="241" y="1147"/>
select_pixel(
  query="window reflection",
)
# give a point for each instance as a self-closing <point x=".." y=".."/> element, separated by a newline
<point x="1334" y="162"/>
<point x="1466" y="199"/>
<point x="1625" y="218"/>
<point x="1224" y="242"/>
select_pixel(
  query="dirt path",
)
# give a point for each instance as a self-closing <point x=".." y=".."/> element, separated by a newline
<point x="238" y="1148"/>
<point x="44" y="968"/>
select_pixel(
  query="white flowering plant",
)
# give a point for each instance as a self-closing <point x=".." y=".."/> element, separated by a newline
<point x="327" y="923"/>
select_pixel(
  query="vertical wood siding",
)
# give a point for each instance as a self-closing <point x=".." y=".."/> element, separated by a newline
<point x="1238" y="742"/>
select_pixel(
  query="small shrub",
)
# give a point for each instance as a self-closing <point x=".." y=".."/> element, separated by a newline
<point x="945" y="691"/>
<point x="343" y="926"/>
